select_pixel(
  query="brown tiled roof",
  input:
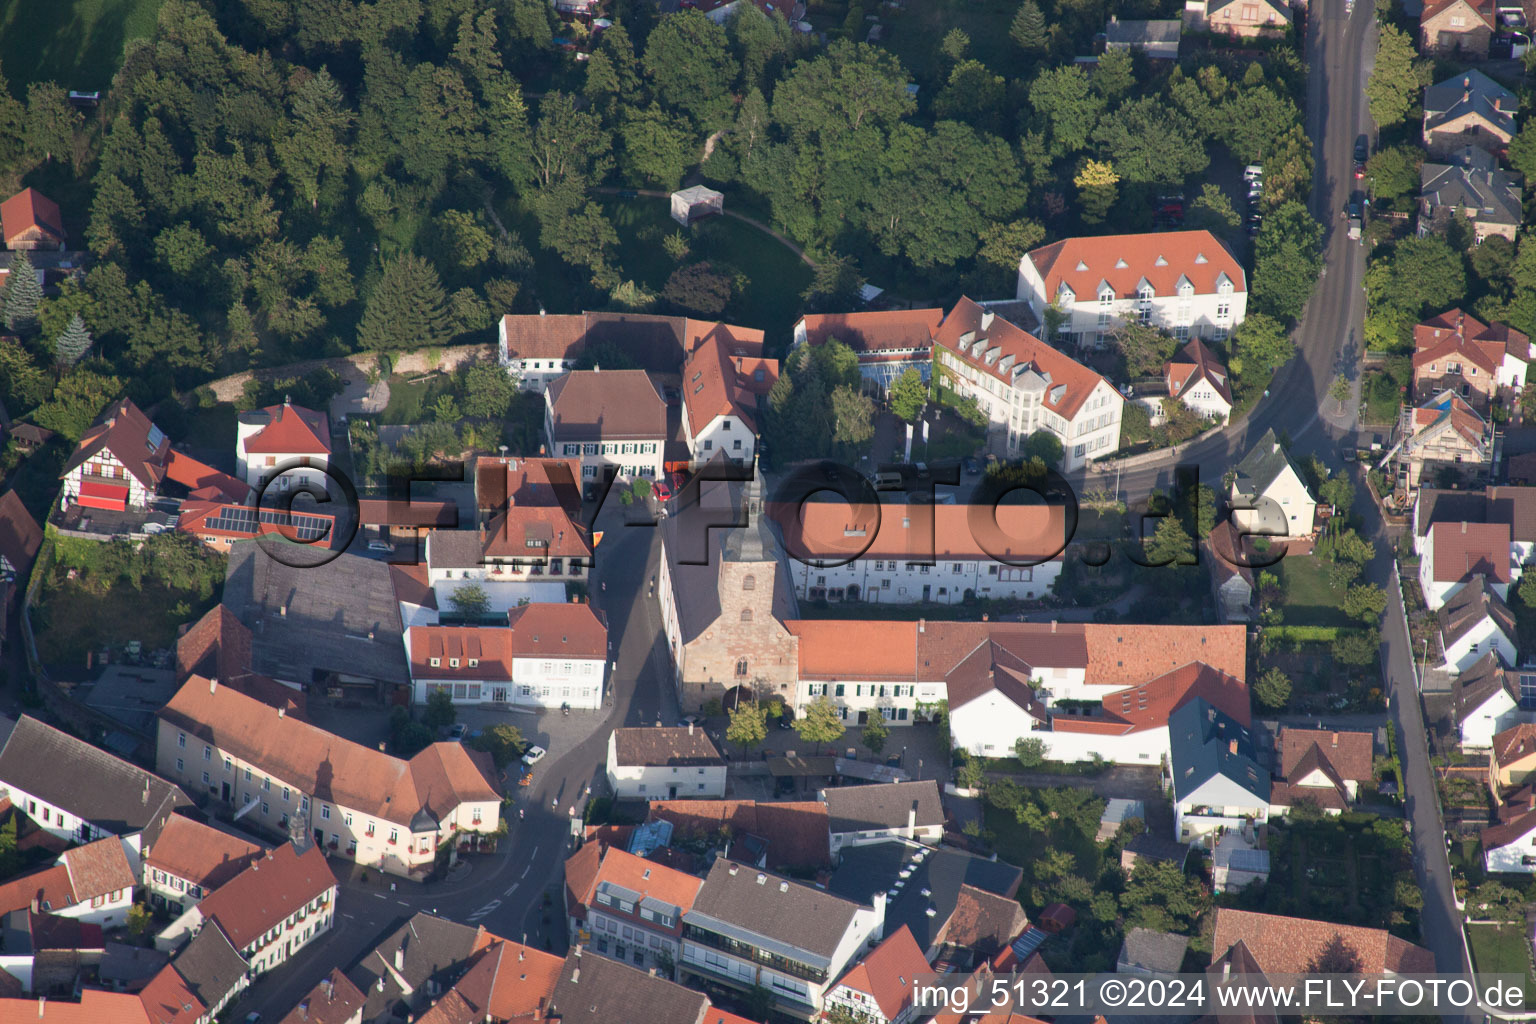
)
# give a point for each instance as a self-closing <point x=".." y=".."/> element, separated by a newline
<point x="98" y="869"/>
<point x="1070" y="381"/>
<point x="20" y="536"/>
<point x="717" y="379"/>
<point x="581" y="870"/>
<point x="597" y="990"/>
<point x="532" y="499"/>
<point x="984" y="921"/>
<point x="124" y="431"/>
<point x="607" y="405"/>
<point x="1513" y="506"/>
<point x="382" y="512"/>
<point x="1470" y="605"/>
<point x="883" y="806"/>
<point x="1221" y="547"/>
<point x="796" y="830"/>
<point x="333" y="1001"/>
<point x="1148" y="705"/>
<point x="168" y="999"/>
<point x="266" y="893"/>
<point x="883" y="650"/>
<point x="836" y="532"/>
<point x="413" y="585"/>
<point x="1455" y="333"/>
<point x="874" y="332"/>
<point x="1124" y="261"/>
<point x="49" y="888"/>
<point x="1349" y="753"/>
<point x="29" y="209"/>
<point x="1127" y="654"/>
<point x="544" y="337"/>
<point x="436" y="780"/>
<point x="1329" y="798"/>
<point x="1193" y="363"/>
<point x="1472" y="688"/>
<point x="536" y="630"/>
<point x="1481" y="9"/>
<point x="1514" y="744"/>
<point x="199" y="853"/>
<point x="1287" y="945"/>
<point x="1519" y="823"/>
<point x="1464" y="550"/>
<point x="665" y="746"/>
<point x="509" y="981"/>
<point x="289" y="429"/>
<point x="889" y="973"/>
<point x="646" y="878"/>
<point x="992" y="667"/>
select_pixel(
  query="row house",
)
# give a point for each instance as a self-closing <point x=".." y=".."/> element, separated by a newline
<point x="607" y="418"/>
<point x="1514" y="507"/>
<point x="664" y="762"/>
<point x="887" y="343"/>
<point x="1022" y="385"/>
<point x="282" y="774"/>
<point x="1478" y="362"/>
<point x="270" y="911"/>
<point x="1512" y="760"/>
<point x="1290" y="945"/>
<point x="882" y="988"/>
<point x="189" y="860"/>
<point x="901" y="554"/>
<point x="725" y="379"/>
<point x="1510" y="845"/>
<point x="1471" y="187"/>
<point x="547" y="655"/>
<point x="749" y="930"/>
<point x="1185" y="282"/>
<point x="627" y="907"/>
<point x="279" y="438"/>
<point x="1474" y="622"/>
<point x="1489" y="698"/>
<point x="92" y="884"/>
<point x="1469" y="109"/>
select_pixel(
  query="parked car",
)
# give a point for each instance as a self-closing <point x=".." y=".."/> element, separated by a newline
<point x="1362" y="152"/>
<point x="1253" y="172"/>
<point x="458" y="732"/>
<point x="662" y="490"/>
<point x="972" y="467"/>
<point x="533" y="755"/>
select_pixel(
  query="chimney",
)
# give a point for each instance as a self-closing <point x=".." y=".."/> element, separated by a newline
<point x="690" y="728"/>
<point x="399" y="958"/>
<point x="213" y="686"/>
<point x="577" y="951"/>
<point x="912" y="819"/>
<point x="282" y="610"/>
<point x="922" y="625"/>
<point x="145" y="797"/>
<point x="1232" y="746"/>
<point x="280" y="712"/>
<point x="575" y="975"/>
<point x="1053" y="625"/>
<point x="1335" y="739"/>
<point x="42" y="1001"/>
<point x="329" y="986"/>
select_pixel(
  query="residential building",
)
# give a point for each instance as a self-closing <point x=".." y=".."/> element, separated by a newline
<point x="221" y="524"/>
<point x="793" y="832"/>
<point x="269" y="911"/>
<point x="282" y="774"/>
<point x="1479" y="362"/>
<point x="30" y="220"/>
<point x="649" y="762"/>
<point x="875" y="813"/>
<point x="1489" y="699"/>
<point x="725" y="379"/>
<point x="724" y="589"/>
<point x="218" y="646"/>
<point x="213" y="969"/>
<point x="627" y="907"/>
<point x="1244" y="19"/>
<point x="596" y="989"/>
<point x="1325" y="767"/>
<point x="748" y="929"/>
<point x="119" y="463"/>
<point x="547" y="655"/>
<point x="80" y="793"/>
<point x="1149" y="953"/>
<point x="1510" y="845"/>
<point x="1217" y="780"/>
<point x="721" y="11"/>
<point x="538" y="349"/>
<point x="271" y="440"/>
<point x="1236" y="863"/>
<point x="1289" y="945"/>
<point x="1457" y="553"/>
<point x="1159" y="40"/>
<point x="507" y="982"/>
<point x="1269" y="496"/>
<point x="419" y="961"/>
<point x="20" y="539"/>
<point x="1023" y="385"/>
<point x="607" y="418"/>
<point x="189" y="860"/>
<point x="92" y="884"/>
<point x="1459" y="27"/>
<point x="888" y="343"/>
<point x="901" y="554"/>
<point x="1473" y="622"/>
<point x="335" y="1000"/>
<point x="1469" y="109"/>
<point x="1470" y="186"/>
<point x="1198" y="379"/>
<point x="1512" y="759"/>
<point x="1515" y="507"/>
<point x="882" y="988"/>
<point x="1231" y="563"/>
<point x="1185" y="282"/>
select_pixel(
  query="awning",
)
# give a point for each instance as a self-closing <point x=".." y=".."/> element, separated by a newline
<point x="94" y="494"/>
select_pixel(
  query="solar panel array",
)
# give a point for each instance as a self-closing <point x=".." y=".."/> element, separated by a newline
<point x="241" y="519"/>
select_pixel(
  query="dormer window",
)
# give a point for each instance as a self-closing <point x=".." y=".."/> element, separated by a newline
<point x="1081" y="266"/>
<point x="453" y="662"/>
<point x="435" y="662"/>
<point x="1160" y="262"/>
<point x="1200" y="258"/>
<point x="1120" y="264"/>
<point x="1145" y="292"/>
<point x="474" y="662"/>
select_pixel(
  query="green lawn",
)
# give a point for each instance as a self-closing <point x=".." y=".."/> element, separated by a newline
<point x="1309" y="600"/>
<point x="76" y="43"/>
<point x="410" y="402"/>
<point x="1502" y="949"/>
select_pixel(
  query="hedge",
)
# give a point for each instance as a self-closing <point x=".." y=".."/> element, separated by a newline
<point x="1306" y="634"/>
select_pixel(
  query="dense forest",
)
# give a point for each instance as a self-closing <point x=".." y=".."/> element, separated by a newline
<point x="269" y="180"/>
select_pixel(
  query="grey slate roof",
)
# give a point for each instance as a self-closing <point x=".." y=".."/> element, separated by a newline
<point x="86" y="781"/>
<point x="597" y="990"/>
<point x="882" y="806"/>
<point x="1513" y="506"/>
<point x="429" y="948"/>
<point x="1205" y="743"/>
<point x="1262" y="466"/>
<point x="1470" y="605"/>
<point x="876" y="867"/>
<point x="1472" y="179"/>
<point x="1470" y="92"/>
<point x="1473" y="687"/>
<point x="211" y="965"/>
<point x="770" y="912"/>
<point x="306" y="623"/>
<point x="1143" y="33"/>
<point x="1150" y="950"/>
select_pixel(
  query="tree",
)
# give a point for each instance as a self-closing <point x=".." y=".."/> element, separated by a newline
<point x="656" y="147"/>
<point x="440" y="712"/>
<point x="1421" y="273"/>
<point x="1358" y="648"/>
<point x="1365" y="602"/>
<point x="875" y="732"/>
<point x="489" y="391"/>
<point x="1042" y="446"/>
<point x="1004" y="245"/>
<point x="853" y="416"/>
<point x="51" y="122"/>
<point x="1151" y="142"/>
<point x="1097" y="189"/>
<point x="407" y="308"/>
<point x="77" y="400"/>
<point x="469" y="600"/>
<point x="1144" y="348"/>
<point x="1212" y="211"/>
<point x="10" y="856"/>
<point x="1338" y="492"/>
<point x="1170" y="544"/>
<point x="954" y="45"/>
<point x="140" y="920"/>
<point x="1287" y="261"/>
<point x="502" y="741"/>
<point x="1113" y="77"/>
<point x="1028" y="30"/>
<point x="23" y="294"/>
<point x="1396" y="79"/>
<point x="1273" y="688"/>
<point x="1339" y="389"/>
<point x="72" y="345"/>
<point x="909" y="394"/>
<point x="1065" y="98"/>
<point x="1394" y="171"/>
<point x="699" y="288"/>
<point x="1262" y="343"/>
<point x="748" y="726"/>
<point x="819" y="723"/>
<point x="1161" y="896"/>
<point x="689" y="64"/>
<point x="1030" y="751"/>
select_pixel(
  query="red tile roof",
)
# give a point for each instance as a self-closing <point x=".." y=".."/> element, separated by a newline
<point x="1194" y="363"/>
<point x="1514" y="744"/>
<point x="986" y="333"/>
<point x="382" y="512"/>
<point x="290" y="430"/>
<point x="1464" y="550"/>
<point x="797" y="831"/>
<point x="333" y="1001"/>
<point x="537" y="630"/>
<point x="218" y="646"/>
<point x="889" y="973"/>
<point x="638" y="875"/>
<point x="1148" y="706"/>
<point x="718" y="377"/>
<point x="268" y="892"/>
<point x="1348" y="753"/>
<point x="98" y="869"/>
<point x="1448" y="408"/>
<point x="124" y="431"/>
<point x="835" y="531"/>
<point x="533" y="499"/>
<point x="1128" y="654"/>
<point x="203" y="481"/>
<point x="168" y="999"/>
<point x="1124" y="261"/>
<point x="882" y="650"/>
<point x="1459" y="334"/>
<point x="197" y="517"/>
<point x="200" y="854"/>
<point x="874" y="333"/>
<point x="94" y="1007"/>
<point x="49" y="888"/>
<point x="27" y="210"/>
<point x="610" y="405"/>
<point x="1288" y="945"/>
<point x="509" y="981"/>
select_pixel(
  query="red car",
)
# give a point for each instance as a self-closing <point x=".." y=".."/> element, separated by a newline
<point x="662" y="490"/>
